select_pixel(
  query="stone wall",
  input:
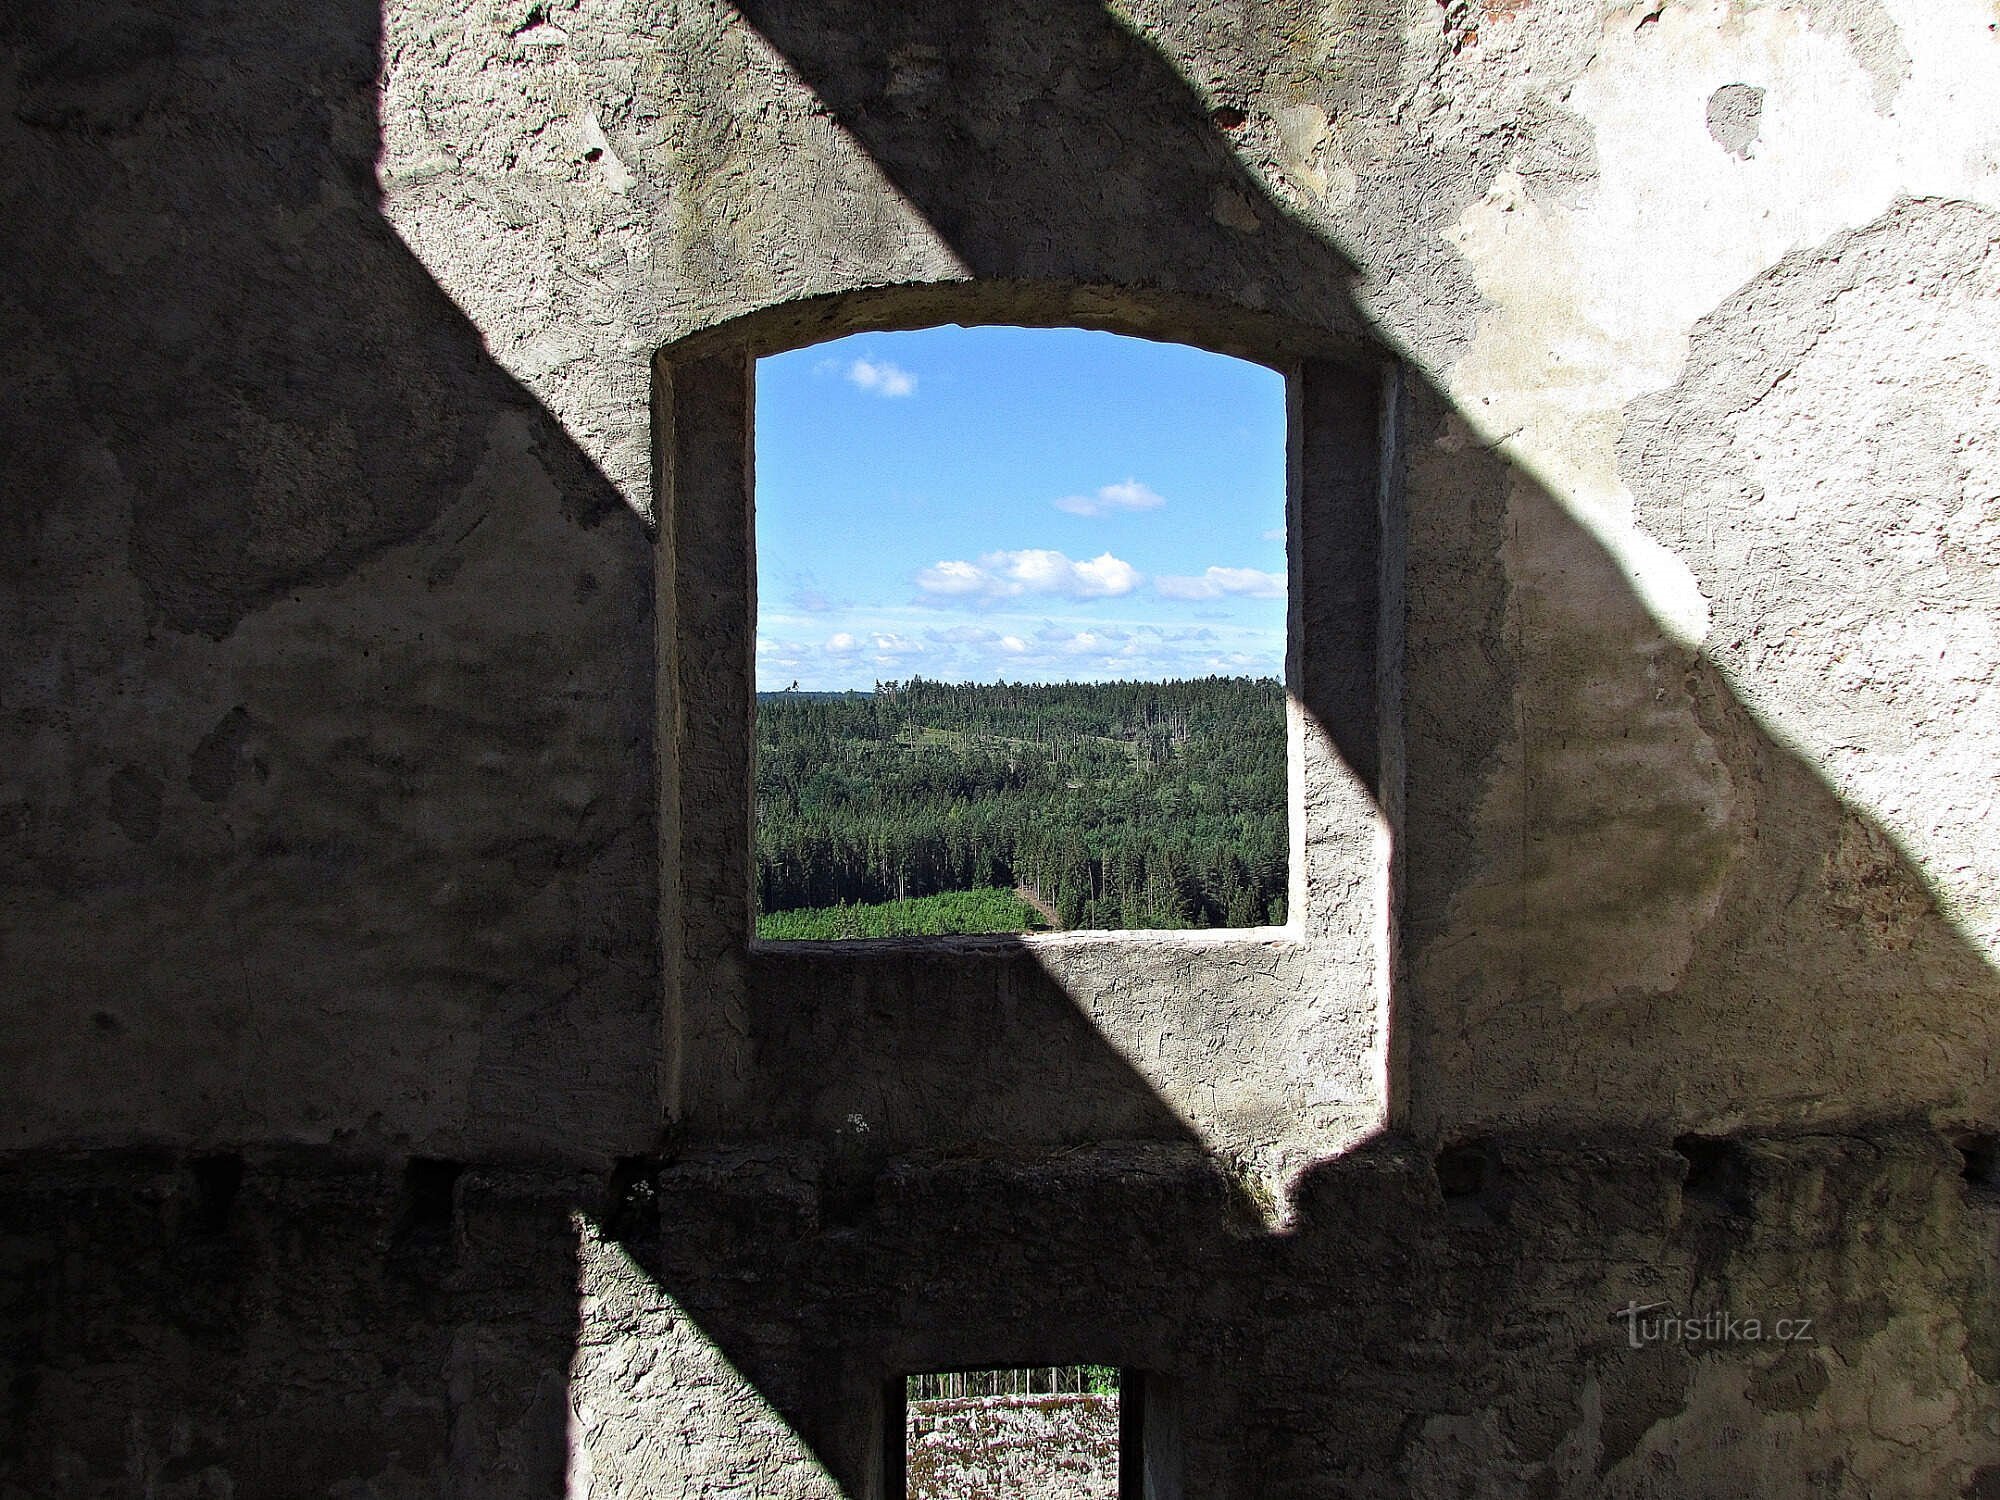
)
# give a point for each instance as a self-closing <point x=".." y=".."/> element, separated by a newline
<point x="1782" y="1316"/>
<point x="999" y="1447"/>
<point x="388" y="1114"/>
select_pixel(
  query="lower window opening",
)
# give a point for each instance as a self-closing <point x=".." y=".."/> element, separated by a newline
<point x="1013" y="1434"/>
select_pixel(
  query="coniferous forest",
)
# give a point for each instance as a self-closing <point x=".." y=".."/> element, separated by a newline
<point x="1109" y="805"/>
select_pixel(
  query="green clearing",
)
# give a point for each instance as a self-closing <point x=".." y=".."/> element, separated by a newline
<point x="987" y="910"/>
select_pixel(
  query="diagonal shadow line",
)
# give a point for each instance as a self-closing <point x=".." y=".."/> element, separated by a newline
<point x="975" y="128"/>
<point x="342" y="603"/>
<point x="857" y="1266"/>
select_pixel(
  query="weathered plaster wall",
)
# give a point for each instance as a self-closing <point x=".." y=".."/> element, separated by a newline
<point x="1724" y="828"/>
<point x="328" y="803"/>
<point x="325" y="799"/>
<point x="330" y="700"/>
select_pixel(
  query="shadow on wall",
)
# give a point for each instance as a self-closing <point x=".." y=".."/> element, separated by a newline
<point x="286" y="523"/>
<point x="1626" y="901"/>
<point x="1630" y="910"/>
<point x="326" y="790"/>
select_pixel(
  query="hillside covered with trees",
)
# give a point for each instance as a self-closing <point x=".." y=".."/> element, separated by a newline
<point x="1117" y="805"/>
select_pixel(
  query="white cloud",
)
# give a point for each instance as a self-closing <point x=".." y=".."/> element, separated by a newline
<point x="1131" y="495"/>
<point x="1032" y="570"/>
<point x="881" y="377"/>
<point x="1219" y="583"/>
<point x="1031" y="639"/>
<point x="954" y="578"/>
<point x="1275" y="534"/>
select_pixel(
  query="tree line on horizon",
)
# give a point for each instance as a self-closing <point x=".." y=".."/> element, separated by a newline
<point x="1122" y="805"/>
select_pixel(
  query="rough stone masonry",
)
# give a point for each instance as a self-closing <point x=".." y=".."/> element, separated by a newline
<point x="393" y="1103"/>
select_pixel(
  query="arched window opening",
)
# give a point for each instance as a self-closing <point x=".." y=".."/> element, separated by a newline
<point x="1020" y="636"/>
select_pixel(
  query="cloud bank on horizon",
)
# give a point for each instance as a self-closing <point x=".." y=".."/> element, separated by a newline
<point x="1032" y="570"/>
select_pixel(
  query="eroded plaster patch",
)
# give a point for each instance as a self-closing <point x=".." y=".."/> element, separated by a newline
<point x="1589" y="305"/>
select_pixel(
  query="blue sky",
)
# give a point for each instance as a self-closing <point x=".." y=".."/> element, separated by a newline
<point x="1039" y="505"/>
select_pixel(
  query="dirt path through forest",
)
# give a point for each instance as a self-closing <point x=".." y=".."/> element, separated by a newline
<point x="1034" y="898"/>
